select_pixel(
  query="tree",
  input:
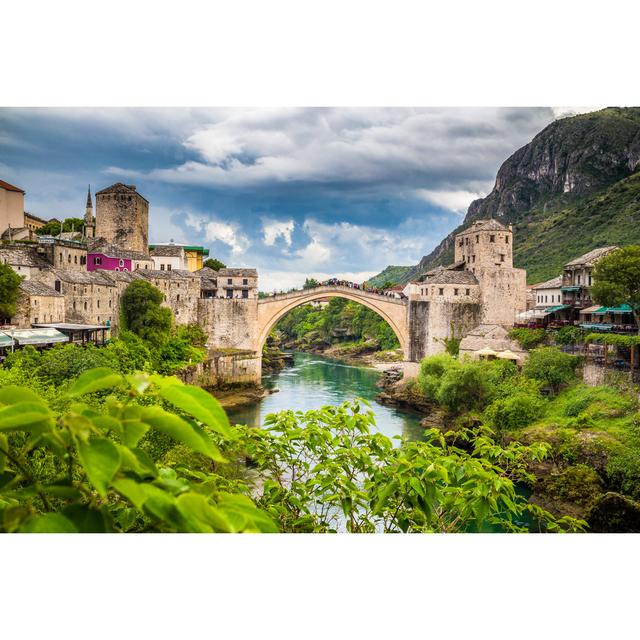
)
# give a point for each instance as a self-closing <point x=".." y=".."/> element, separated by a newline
<point x="142" y="314"/>
<point x="9" y="290"/>
<point x="53" y="228"/>
<point x="214" y="263"/>
<point x="550" y="366"/>
<point x="310" y="283"/>
<point x="617" y="280"/>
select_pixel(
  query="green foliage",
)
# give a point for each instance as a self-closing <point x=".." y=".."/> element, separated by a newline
<point x="54" y="228"/>
<point x="515" y="411"/>
<point x="325" y="471"/>
<point x="310" y="283"/>
<point x="614" y="339"/>
<point x="97" y="479"/>
<point x="617" y="279"/>
<point x="528" y="338"/>
<point x="142" y="314"/>
<point x="340" y="320"/>
<point x="550" y="366"/>
<point x="214" y="263"/>
<point x="9" y="290"/>
<point x="569" y="335"/>
<point x="193" y="334"/>
<point x="393" y="274"/>
<point x="460" y="386"/>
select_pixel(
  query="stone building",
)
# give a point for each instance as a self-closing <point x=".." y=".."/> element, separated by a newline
<point x="577" y="278"/>
<point x="122" y="217"/>
<point x="33" y="222"/>
<point x="491" y="338"/>
<point x="23" y="259"/>
<point x="11" y="206"/>
<point x="237" y="283"/>
<point x="168" y="257"/>
<point x="36" y="303"/>
<point x="62" y="253"/>
<point x="486" y="249"/>
<point x="89" y="219"/>
<point x="181" y="291"/>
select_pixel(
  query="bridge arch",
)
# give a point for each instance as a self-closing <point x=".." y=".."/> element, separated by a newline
<point x="392" y="310"/>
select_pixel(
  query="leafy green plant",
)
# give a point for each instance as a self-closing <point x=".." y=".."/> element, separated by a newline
<point x="550" y="366"/>
<point x="9" y="289"/>
<point x="98" y="478"/>
<point x="528" y="338"/>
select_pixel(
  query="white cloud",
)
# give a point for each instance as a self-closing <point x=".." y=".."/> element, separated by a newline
<point x="314" y="254"/>
<point x="214" y="230"/>
<point x="456" y="201"/>
<point x="274" y="229"/>
<point x="283" y="280"/>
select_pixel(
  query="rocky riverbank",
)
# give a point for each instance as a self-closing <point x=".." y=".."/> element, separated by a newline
<point x="236" y="396"/>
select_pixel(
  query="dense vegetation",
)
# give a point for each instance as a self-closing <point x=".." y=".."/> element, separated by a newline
<point x="214" y="263"/>
<point x="9" y="289"/>
<point x="139" y="452"/>
<point x="341" y="322"/>
<point x="54" y="228"/>
<point x="591" y="432"/>
<point x="392" y="274"/>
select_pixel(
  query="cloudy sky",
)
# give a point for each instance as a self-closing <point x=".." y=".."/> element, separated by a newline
<point x="291" y="191"/>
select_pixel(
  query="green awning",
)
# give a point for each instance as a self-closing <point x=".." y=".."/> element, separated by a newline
<point x="570" y="289"/>
<point x="623" y="308"/>
<point x="5" y="340"/>
<point x="558" y="307"/>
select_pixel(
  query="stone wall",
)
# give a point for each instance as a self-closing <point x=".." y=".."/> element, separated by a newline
<point x="229" y="323"/>
<point x="450" y="320"/>
<point x="243" y="367"/>
<point x="504" y="293"/>
<point x="32" y="309"/>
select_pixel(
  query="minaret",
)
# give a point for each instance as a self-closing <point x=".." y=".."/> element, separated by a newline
<point x="89" y="222"/>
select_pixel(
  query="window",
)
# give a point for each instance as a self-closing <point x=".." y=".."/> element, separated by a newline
<point x="69" y="258"/>
<point x="440" y="291"/>
<point x="229" y="293"/>
<point x="245" y="293"/>
<point x="36" y="320"/>
<point x="168" y="267"/>
<point x="506" y="239"/>
<point x="455" y="292"/>
<point x="502" y="256"/>
<point x="74" y="305"/>
<point x="178" y="298"/>
<point x="477" y="239"/>
<point x="229" y="281"/>
<point x="121" y="263"/>
<point x="98" y="303"/>
<point x="460" y="243"/>
<point x="589" y="280"/>
<point x="492" y="238"/>
<point x="57" y="286"/>
<point x="85" y="306"/>
<point x="473" y="258"/>
<point x="162" y="267"/>
<point x="61" y="256"/>
<point x="578" y="279"/>
<point x="467" y="291"/>
<point x="245" y="281"/>
<point x="75" y="259"/>
<point x="97" y="260"/>
<point x="117" y="269"/>
<point x="146" y="266"/>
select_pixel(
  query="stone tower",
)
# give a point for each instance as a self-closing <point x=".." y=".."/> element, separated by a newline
<point x="486" y="249"/>
<point x="122" y="217"/>
<point x="89" y="222"/>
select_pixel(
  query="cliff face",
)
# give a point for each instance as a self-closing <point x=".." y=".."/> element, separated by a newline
<point x="556" y="181"/>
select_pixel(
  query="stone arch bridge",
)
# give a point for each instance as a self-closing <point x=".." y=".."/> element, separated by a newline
<point x="393" y="310"/>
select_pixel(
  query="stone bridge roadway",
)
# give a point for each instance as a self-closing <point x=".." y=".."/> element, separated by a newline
<point x="393" y="310"/>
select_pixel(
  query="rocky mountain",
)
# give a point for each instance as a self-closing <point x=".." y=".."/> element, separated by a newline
<point x="574" y="187"/>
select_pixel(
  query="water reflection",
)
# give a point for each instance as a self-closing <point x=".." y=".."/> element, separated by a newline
<point x="314" y="381"/>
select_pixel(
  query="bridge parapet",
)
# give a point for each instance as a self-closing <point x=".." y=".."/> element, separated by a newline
<point x="329" y="289"/>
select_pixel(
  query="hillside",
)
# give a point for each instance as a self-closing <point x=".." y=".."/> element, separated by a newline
<point x="574" y="187"/>
<point x="390" y="274"/>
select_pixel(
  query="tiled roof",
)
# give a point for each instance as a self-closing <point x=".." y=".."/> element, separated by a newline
<point x="252" y="273"/>
<point x="22" y="256"/>
<point x="119" y="187"/>
<point x="35" y="288"/>
<point x="206" y="272"/>
<point x="34" y="217"/>
<point x="10" y="187"/>
<point x="449" y="276"/>
<point x="590" y="258"/>
<point x="100" y="245"/>
<point x="487" y="225"/>
<point x="554" y="283"/>
<point x="83" y="277"/>
<point x="167" y="251"/>
<point x="451" y="267"/>
<point x="174" y="274"/>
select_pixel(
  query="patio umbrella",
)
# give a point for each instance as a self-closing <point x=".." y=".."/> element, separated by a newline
<point x="508" y="355"/>
<point x="486" y="352"/>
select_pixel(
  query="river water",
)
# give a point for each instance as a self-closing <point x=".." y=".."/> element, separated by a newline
<point x="314" y="381"/>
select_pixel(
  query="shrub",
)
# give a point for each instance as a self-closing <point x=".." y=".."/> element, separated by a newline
<point x="142" y="314"/>
<point x="528" y="338"/>
<point x="514" y="412"/>
<point x="550" y="366"/>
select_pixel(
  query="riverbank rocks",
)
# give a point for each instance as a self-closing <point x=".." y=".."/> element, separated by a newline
<point x="389" y="377"/>
<point x="614" y="513"/>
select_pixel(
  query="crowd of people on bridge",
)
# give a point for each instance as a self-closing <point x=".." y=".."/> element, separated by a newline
<point x="336" y="282"/>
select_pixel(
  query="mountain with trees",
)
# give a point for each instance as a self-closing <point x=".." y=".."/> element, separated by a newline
<point x="573" y="188"/>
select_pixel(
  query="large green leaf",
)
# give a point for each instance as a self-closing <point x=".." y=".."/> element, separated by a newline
<point x="4" y="447"/>
<point x="49" y="523"/>
<point x="26" y="416"/>
<point x="101" y="460"/>
<point x="199" y="404"/>
<point x="181" y="431"/>
<point x="85" y="520"/>
<point x="95" y="380"/>
<point x="194" y="506"/>
<point x="10" y="394"/>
